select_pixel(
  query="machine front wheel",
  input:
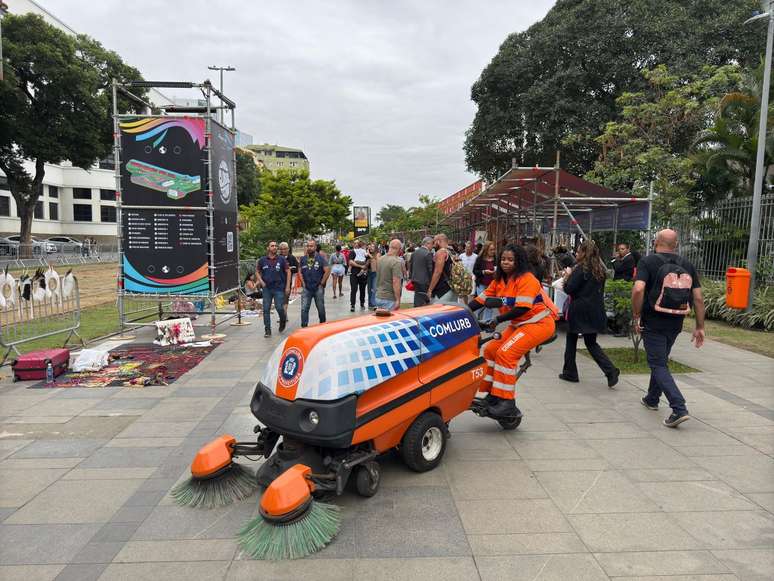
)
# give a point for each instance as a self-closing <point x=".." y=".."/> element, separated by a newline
<point x="424" y="443"/>
<point x="367" y="479"/>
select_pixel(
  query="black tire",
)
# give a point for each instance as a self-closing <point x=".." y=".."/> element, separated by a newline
<point x="510" y="424"/>
<point x="366" y="484"/>
<point x="418" y="453"/>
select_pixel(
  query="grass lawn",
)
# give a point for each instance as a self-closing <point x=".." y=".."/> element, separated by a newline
<point x="623" y="358"/>
<point x="761" y="342"/>
<point x="96" y="321"/>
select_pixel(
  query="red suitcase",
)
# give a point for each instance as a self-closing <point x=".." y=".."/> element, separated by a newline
<point x="33" y="365"/>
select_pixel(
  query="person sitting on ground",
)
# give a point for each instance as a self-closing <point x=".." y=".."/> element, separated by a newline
<point x="251" y="286"/>
<point x="660" y="302"/>
<point x="526" y="307"/>
<point x="586" y="314"/>
<point x="389" y="278"/>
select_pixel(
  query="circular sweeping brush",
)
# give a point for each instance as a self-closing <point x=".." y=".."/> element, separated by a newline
<point x="215" y="479"/>
<point x="291" y="524"/>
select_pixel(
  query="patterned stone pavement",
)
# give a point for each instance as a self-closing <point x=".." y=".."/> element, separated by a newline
<point x="591" y="486"/>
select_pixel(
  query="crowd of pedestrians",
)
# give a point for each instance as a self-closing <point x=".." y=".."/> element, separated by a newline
<point x="665" y="288"/>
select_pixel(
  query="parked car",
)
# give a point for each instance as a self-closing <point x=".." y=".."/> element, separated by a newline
<point x="38" y="246"/>
<point x="8" y="247"/>
<point x="67" y="244"/>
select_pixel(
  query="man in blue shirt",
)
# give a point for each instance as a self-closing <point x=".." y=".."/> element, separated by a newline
<point x="314" y="275"/>
<point x="273" y="276"/>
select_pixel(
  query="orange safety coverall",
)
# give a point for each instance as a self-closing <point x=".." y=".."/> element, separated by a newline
<point x="523" y="334"/>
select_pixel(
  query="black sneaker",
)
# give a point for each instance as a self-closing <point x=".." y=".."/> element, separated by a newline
<point x="282" y="325"/>
<point x="650" y="406"/>
<point x="352" y="309"/>
<point x="362" y="307"/>
<point x="676" y="419"/>
<point x="565" y="377"/>
<point x="266" y="334"/>
<point x="612" y="379"/>
<point x="502" y="408"/>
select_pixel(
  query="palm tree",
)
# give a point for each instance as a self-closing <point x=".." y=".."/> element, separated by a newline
<point x="731" y="143"/>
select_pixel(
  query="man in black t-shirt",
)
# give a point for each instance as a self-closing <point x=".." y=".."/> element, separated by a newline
<point x="659" y="329"/>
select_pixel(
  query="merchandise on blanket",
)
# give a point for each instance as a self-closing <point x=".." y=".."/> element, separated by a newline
<point x="174" y="332"/>
<point x="139" y="365"/>
<point x="91" y="360"/>
<point x="33" y="365"/>
<point x="184" y="307"/>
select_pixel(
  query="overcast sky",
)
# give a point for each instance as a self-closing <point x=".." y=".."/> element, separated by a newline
<point x="376" y="93"/>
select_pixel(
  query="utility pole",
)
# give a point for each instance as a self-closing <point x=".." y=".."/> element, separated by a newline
<point x="755" y="222"/>
<point x="221" y="69"/>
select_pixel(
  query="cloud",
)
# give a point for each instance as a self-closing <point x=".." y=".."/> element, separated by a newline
<point x="376" y="93"/>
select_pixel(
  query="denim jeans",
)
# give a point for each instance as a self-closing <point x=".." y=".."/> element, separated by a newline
<point x="384" y="304"/>
<point x="278" y="296"/>
<point x="307" y="296"/>
<point x="658" y="344"/>
<point x="371" y="289"/>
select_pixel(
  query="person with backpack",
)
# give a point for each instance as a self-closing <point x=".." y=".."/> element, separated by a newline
<point x="440" y="288"/>
<point x="665" y="288"/>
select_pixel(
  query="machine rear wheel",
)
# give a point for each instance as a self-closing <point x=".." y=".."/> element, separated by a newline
<point x="510" y="423"/>
<point x="367" y="479"/>
<point x="424" y="443"/>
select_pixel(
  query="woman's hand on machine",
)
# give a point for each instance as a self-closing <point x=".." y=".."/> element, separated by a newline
<point x="490" y="325"/>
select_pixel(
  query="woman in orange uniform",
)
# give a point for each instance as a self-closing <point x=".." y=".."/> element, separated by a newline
<point x="531" y="317"/>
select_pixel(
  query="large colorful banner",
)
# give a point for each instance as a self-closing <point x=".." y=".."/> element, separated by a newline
<point x="164" y="218"/>
<point x="362" y="220"/>
<point x="162" y="162"/>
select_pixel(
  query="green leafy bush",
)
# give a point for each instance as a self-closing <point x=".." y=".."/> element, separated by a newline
<point x="618" y="303"/>
<point x="760" y="317"/>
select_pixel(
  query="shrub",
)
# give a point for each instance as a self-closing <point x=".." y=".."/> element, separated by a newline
<point x="760" y="317"/>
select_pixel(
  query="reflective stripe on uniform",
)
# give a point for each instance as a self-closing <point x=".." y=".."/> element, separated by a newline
<point x="504" y="370"/>
<point x="524" y="299"/>
<point x="488" y="378"/>
<point x="534" y="319"/>
<point x="490" y="362"/>
<point x="504" y="386"/>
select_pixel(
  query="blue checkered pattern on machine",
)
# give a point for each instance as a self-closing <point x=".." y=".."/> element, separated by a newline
<point x="356" y="360"/>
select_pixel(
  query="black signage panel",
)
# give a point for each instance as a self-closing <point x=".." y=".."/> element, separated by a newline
<point x="165" y="251"/>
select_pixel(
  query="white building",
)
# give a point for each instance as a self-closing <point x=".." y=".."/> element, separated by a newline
<point x="75" y="202"/>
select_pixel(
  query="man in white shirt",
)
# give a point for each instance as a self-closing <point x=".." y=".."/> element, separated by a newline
<point x="468" y="259"/>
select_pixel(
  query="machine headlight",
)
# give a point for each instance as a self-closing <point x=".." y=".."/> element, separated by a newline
<point x="309" y="420"/>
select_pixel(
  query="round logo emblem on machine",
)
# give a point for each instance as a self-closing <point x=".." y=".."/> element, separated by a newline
<point x="290" y="367"/>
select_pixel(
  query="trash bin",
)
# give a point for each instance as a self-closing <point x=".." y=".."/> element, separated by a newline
<point x="737" y="287"/>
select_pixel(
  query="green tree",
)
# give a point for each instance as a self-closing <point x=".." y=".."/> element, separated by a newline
<point x="248" y="178"/>
<point x="730" y="146"/>
<point x="652" y="137"/>
<point x="391" y="213"/>
<point x="291" y="205"/>
<point x="56" y="105"/>
<point x="562" y="76"/>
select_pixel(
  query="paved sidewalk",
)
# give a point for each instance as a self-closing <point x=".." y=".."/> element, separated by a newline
<point x="591" y="486"/>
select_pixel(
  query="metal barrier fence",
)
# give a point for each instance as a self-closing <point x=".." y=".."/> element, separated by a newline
<point x="718" y="238"/>
<point x="37" y="306"/>
<point x="43" y="253"/>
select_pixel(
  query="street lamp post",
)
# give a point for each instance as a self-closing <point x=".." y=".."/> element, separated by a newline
<point x="755" y="222"/>
<point x="221" y="69"/>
